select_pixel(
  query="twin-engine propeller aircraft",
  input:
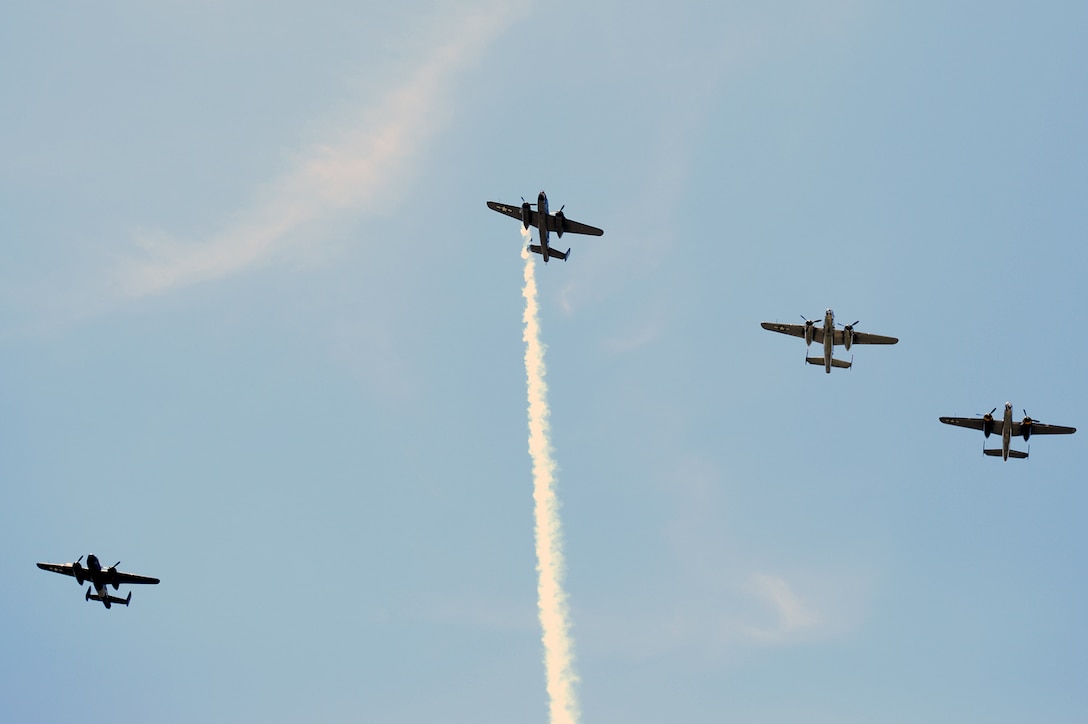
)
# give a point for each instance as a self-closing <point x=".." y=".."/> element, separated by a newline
<point x="545" y="222"/>
<point x="99" y="578"/>
<point x="1007" y="429"/>
<point x="828" y="336"/>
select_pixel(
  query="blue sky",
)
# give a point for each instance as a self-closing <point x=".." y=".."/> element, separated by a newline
<point x="262" y="339"/>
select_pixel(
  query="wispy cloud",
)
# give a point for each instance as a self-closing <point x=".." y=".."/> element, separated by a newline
<point x="717" y="616"/>
<point x="646" y="331"/>
<point x="714" y="593"/>
<point x="793" y="617"/>
<point x="359" y="168"/>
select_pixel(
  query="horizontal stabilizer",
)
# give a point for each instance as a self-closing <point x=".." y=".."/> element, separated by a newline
<point x="112" y="599"/>
<point x="996" y="452"/>
<point x="552" y="253"/>
<point x="834" y="362"/>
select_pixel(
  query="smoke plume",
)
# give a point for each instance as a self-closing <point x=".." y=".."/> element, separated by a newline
<point x="552" y="599"/>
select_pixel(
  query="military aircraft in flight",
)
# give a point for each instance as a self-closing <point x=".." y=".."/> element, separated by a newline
<point x="1008" y="430"/>
<point x="545" y="222"/>
<point x="99" y="578"/>
<point x="828" y="336"/>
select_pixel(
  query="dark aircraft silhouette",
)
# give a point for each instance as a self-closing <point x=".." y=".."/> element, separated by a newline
<point x="545" y="222"/>
<point x="99" y="578"/>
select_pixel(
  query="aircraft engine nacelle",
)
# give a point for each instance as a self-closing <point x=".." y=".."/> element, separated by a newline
<point x="987" y="426"/>
<point x="526" y="215"/>
<point x="1025" y="428"/>
<point x="808" y="333"/>
<point x="560" y="223"/>
<point x="77" y="570"/>
<point x="847" y="337"/>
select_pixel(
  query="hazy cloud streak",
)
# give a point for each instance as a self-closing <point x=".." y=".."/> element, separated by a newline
<point x="552" y="599"/>
<point x="794" y="617"/>
<point x="352" y="171"/>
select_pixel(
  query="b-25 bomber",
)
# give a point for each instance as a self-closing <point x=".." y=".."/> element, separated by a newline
<point x="1008" y="429"/>
<point x="100" y="578"/>
<point x="545" y="223"/>
<point x="828" y="336"/>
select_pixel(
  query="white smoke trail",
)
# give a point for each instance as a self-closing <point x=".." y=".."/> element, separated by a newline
<point x="552" y="599"/>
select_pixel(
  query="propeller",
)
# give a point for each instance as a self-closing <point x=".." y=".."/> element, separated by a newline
<point x="526" y="214"/>
<point x="114" y="566"/>
<point x="79" y="560"/>
<point x="1026" y="425"/>
<point x="560" y="221"/>
<point x="810" y="330"/>
<point x="848" y="334"/>
<point x="987" y="424"/>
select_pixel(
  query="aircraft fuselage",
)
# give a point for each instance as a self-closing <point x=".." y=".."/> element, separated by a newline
<point x="829" y="339"/>
<point x="94" y="575"/>
<point x="542" y="222"/>
<point x="1006" y="432"/>
<point x="98" y="578"/>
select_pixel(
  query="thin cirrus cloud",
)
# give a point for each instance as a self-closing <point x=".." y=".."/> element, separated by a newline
<point x="716" y="617"/>
<point x="794" y="618"/>
<point x="352" y="172"/>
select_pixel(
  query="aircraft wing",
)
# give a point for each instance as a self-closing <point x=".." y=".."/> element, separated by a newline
<point x="514" y="212"/>
<point x="865" y="338"/>
<point x="1038" y="428"/>
<point x="972" y="423"/>
<point x="65" y="568"/>
<point x="569" y="227"/>
<point x="795" y="330"/>
<point x="121" y="577"/>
